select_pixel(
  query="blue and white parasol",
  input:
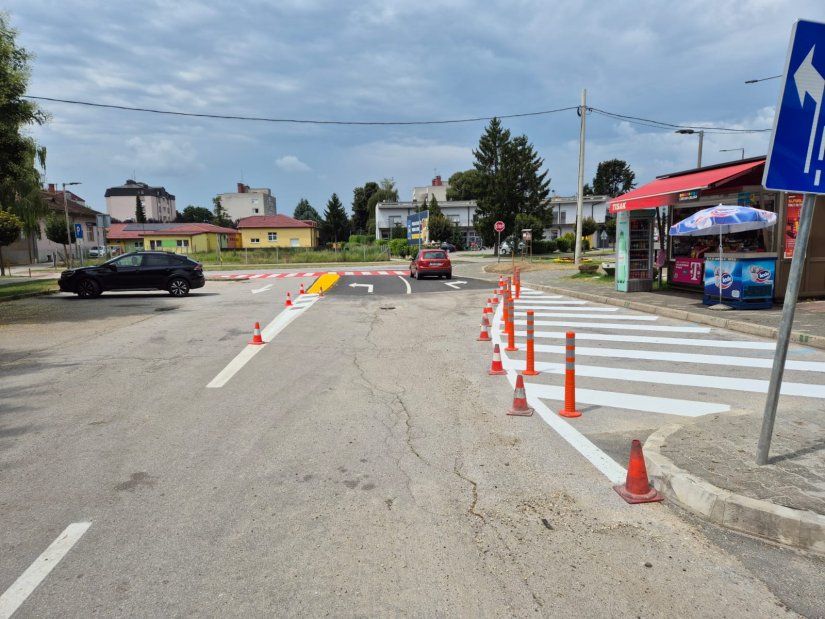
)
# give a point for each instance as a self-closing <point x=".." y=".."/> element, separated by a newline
<point x="723" y="219"/>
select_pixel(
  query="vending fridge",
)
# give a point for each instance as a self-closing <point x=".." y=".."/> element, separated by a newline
<point x="634" y="250"/>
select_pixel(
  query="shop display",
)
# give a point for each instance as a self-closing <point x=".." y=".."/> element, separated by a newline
<point x="634" y="251"/>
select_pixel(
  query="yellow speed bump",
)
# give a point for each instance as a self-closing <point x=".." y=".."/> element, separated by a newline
<point x="325" y="282"/>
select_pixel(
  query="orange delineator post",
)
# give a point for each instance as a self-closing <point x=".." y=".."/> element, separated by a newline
<point x="569" y="409"/>
<point x="518" y="283"/>
<point x="511" y="328"/>
<point x="531" y="352"/>
<point x="506" y="315"/>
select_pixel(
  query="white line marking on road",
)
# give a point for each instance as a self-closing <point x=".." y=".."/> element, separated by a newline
<point x="264" y="289"/>
<point x="28" y="581"/>
<point x="349" y="272"/>
<point x="538" y="309"/>
<point x="406" y="283"/>
<point x="367" y="286"/>
<point x="543" y="302"/>
<point x="382" y="273"/>
<point x="560" y="314"/>
<point x="631" y="401"/>
<point x="268" y="333"/>
<point x="290" y="275"/>
<point x="750" y="385"/>
<point x="455" y="285"/>
<point x="616" y="325"/>
<point x="258" y="275"/>
<point x="684" y="357"/>
<point x="647" y="339"/>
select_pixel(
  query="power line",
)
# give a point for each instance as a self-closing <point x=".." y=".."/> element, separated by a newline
<point x="646" y="122"/>
<point x="297" y="120"/>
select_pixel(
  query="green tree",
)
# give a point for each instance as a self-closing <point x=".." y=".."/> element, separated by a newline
<point x="17" y="150"/>
<point x="197" y="214"/>
<point x="398" y="232"/>
<point x="464" y="185"/>
<point x="10" y="228"/>
<point x="433" y="207"/>
<point x="587" y="190"/>
<point x="613" y="178"/>
<point x="56" y="233"/>
<point x="440" y="228"/>
<point x="304" y="211"/>
<point x="336" y="224"/>
<point x="140" y="212"/>
<point x="511" y="182"/>
<point x="221" y="218"/>
<point x="589" y="226"/>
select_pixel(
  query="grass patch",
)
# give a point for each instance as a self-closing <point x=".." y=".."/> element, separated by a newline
<point x="595" y="278"/>
<point x="12" y="291"/>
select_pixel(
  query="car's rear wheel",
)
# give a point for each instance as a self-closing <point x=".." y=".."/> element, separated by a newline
<point x="418" y="275"/>
<point x="178" y="287"/>
<point x="449" y="275"/>
<point x="88" y="289"/>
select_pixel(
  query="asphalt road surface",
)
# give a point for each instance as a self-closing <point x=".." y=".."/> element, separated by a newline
<point x="358" y="463"/>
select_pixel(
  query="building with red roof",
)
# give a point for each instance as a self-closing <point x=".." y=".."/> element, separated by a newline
<point x="263" y="231"/>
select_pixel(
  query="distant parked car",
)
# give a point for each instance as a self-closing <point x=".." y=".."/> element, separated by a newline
<point x="431" y="262"/>
<point x="448" y="247"/>
<point x="97" y="252"/>
<point x="149" y="270"/>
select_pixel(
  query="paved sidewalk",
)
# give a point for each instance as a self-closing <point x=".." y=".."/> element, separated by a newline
<point x="707" y="464"/>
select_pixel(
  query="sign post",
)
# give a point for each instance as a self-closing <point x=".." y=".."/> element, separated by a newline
<point x="499" y="227"/>
<point x="791" y="167"/>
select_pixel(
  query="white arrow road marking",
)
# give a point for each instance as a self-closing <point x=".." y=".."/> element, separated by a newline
<point x="28" y="581"/>
<point x="264" y="289"/>
<point x="367" y="286"/>
<point x="406" y="283"/>
<point x="455" y="284"/>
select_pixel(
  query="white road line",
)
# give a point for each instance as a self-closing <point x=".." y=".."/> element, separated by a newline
<point x="290" y="275"/>
<point x="684" y="357"/>
<point x="399" y="272"/>
<point x="604" y="463"/>
<point x="406" y="283"/>
<point x="631" y="401"/>
<point x="349" y="272"/>
<point x="28" y="581"/>
<point x="559" y="314"/>
<point x="257" y="275"/>
<point x="264" y="289"/>
<point x="647" y="339"/>
<point x="268" y="333"/>
<point x="616" y="325"/>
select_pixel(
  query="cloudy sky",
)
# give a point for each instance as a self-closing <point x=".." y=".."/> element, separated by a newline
<point x="384" y="61"/>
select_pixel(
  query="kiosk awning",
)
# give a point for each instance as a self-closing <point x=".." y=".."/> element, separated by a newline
<point x="663" y="190"/>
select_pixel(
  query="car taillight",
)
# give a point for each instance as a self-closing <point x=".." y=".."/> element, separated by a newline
<point x="424" y="263"/>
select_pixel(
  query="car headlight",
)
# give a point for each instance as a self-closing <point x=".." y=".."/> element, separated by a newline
<point x="67" y="274"/>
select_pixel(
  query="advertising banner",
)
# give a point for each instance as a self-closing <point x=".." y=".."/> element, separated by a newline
<point x="417" y="230"/>
<point x="792" y="222"/>
<point x="741" y="279"/>
<point x="688" y="271"/>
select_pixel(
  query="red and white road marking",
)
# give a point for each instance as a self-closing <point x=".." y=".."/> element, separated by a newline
<point x="310" y="274"/>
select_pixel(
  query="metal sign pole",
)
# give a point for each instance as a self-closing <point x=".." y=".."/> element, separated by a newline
<point x="499" y="247"/>
<point x="783" y="336"/>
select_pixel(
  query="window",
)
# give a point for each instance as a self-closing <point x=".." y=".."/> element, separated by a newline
<point x="183" y="242"/>
<point x="134" y="260"/>
<point x="254" y="241"/>
<point x="256" y="211"/>
<point x="455" y="219"/>
<point x="395" y="220"/>
<point x="294" y="242"/>
<point x="272" y="236"/>
<point x="563" y="217"/>
<point x="156" y="260"/>
<point x="434" y="255"/>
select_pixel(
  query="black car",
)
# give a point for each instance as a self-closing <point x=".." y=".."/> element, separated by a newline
<point x="448" y="246"/>
<point x="144" y="270"/>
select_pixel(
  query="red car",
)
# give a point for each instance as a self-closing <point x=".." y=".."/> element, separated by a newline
<point x="431" y="262"/>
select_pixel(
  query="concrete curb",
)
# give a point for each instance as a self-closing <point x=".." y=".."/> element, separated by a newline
<point x="814" y="341"/>
<point x="792" y="527"/>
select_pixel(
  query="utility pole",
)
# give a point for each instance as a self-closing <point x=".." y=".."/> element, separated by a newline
<point x="580" y="197"/>
<point x="68" y="227"/>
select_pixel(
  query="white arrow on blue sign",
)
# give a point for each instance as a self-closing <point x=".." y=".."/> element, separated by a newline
<point x="795" y="157"/>
<point x="78" y="231"/>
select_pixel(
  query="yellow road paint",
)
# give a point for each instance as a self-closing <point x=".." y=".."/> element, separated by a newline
<point x="326" y="281"/>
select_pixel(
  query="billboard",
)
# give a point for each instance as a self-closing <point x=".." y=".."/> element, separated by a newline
<point x="418" y="232"/>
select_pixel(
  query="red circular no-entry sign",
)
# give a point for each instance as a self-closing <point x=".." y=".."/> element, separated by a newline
<point x="499" y="226"/>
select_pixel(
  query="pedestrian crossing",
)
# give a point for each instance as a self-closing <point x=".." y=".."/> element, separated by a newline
<point x="631" y="361"/>
<point x="393" y="272"/>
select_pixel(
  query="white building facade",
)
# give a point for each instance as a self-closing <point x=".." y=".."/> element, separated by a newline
<point x="248" y="202"/>
<point x="564" y="216"/>
<point x="158" y="204"/>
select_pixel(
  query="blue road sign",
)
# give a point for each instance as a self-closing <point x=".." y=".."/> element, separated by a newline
<point x="795" y="157"/>
<point x="78" y="231"/>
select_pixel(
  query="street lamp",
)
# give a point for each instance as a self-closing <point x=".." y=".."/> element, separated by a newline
<point x="68" y="228"/>
<point x="701" y="140"/>
<point x="762" y="79"/>
<point x="727" y="150"/>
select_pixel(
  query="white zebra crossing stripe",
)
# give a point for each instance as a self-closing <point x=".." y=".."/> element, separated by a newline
<point x="542" y="302"/>
<point x="647" y="339"/>
<point x="676" y="379"/>
<point x="684" y="357"/>
<point x="559" y="314"/>
<point x="616" y="325"/>
<point x="538" y="311"/>
<point x="631" y="401"/>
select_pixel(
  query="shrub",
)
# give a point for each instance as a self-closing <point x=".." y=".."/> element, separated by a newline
<point x="563" y="244"/>
<point x="360" y="239"/>
<point x="544" y="247"/>
<point x="585" y="244"/>
<point x="398" y="247"/>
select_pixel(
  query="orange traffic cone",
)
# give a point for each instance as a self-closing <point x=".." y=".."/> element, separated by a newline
<point x="489" y="308"/>
<point x="495" y="367"/>
<point x="288" y="301"/>
<point x="300" y="292"/>
<point x="257" y="340"/>
<point x="637" y="488"/>
<point x="485" y="330"/>
<point x="520" y="407"/>
<point x="495" y="297"/>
